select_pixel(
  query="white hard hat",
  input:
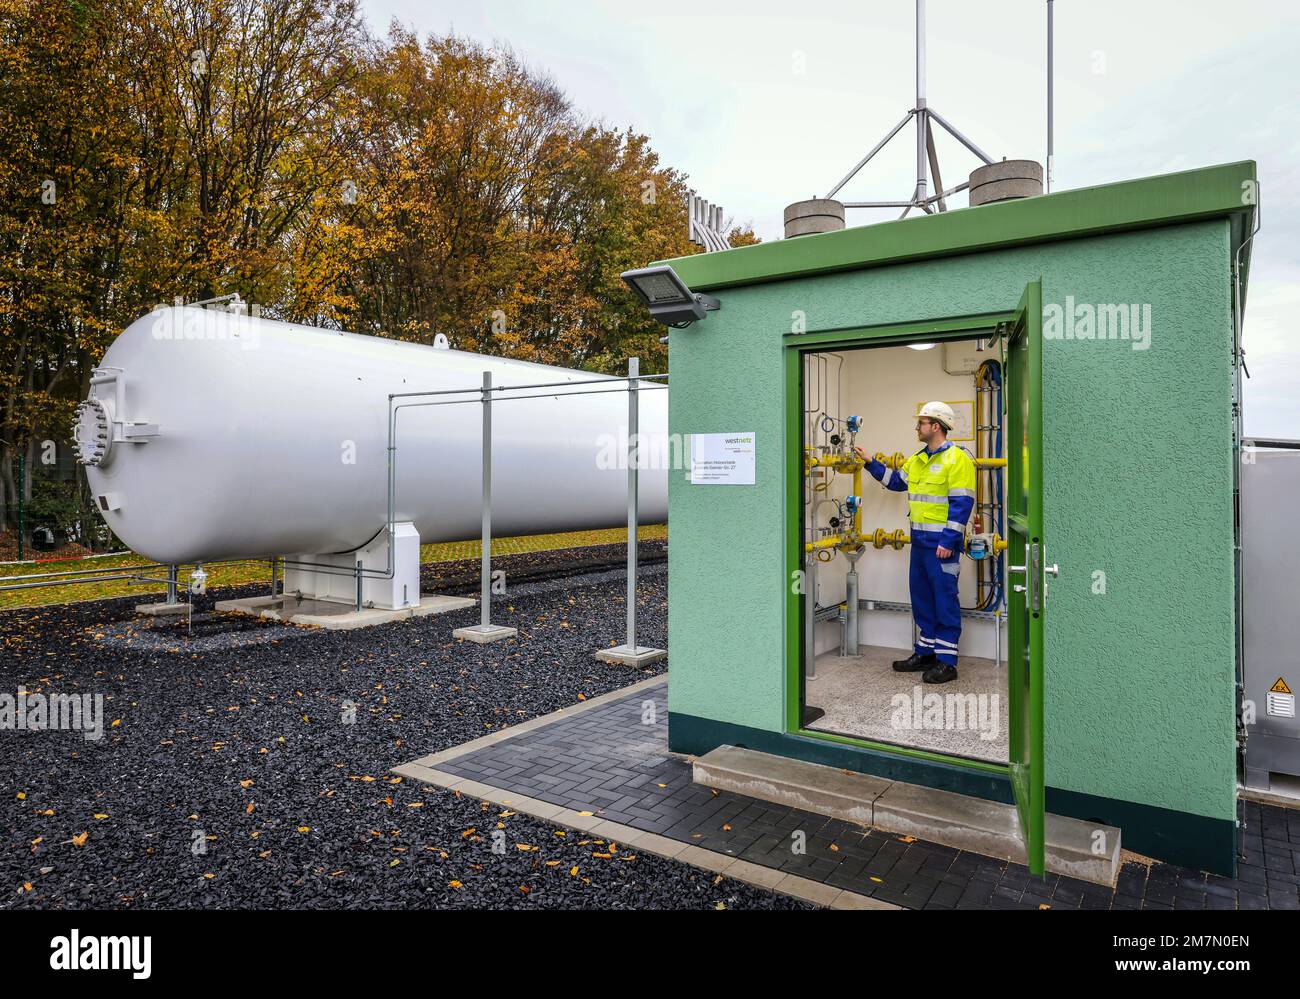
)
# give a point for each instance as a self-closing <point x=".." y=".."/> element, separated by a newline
<point x="940" y="411"/>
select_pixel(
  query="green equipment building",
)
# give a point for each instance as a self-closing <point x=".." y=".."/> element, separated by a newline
<point x="1089" y="341"/>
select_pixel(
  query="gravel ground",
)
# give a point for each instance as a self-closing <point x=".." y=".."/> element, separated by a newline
<point x="227" y="776"/>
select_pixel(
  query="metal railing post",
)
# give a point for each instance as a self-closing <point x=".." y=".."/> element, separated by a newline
<point x="631" y="654"/>
<point x="485" y="616"/>
<point x="485" y="631"/>
<point x="633" y="369"/>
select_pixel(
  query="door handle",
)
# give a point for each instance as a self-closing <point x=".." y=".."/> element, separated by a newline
<point x="1035" y="577"/>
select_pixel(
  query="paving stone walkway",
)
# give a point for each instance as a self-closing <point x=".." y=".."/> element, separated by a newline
<point x="613" y="761"/>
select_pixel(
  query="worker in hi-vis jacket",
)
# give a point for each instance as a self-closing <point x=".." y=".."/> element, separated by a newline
<point x="940" y="484"/>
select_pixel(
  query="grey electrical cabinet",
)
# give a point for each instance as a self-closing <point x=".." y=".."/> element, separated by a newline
<point x="1270" y="482"/>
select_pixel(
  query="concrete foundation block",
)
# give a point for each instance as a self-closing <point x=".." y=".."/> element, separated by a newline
<point x="335" y="616"/>
<point x="623" y="655"/>
<point x="485" y="635"/>
<point x="162" y="609"/>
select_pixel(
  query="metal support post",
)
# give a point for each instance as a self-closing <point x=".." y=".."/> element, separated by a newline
<point x="485" y="631"/>
<point x="631" y="654"/>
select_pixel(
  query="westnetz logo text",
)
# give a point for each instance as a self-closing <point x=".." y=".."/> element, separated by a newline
<point x="92" y="953"/>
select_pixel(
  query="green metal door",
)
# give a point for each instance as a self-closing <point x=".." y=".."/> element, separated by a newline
<point x="1025" y="570"/>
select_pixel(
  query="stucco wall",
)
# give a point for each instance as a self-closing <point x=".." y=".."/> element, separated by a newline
<point x="1137" y="485"/>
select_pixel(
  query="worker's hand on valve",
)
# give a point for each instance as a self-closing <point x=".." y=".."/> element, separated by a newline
<point x="943" y="552"/>
<point x="861" y="453"/>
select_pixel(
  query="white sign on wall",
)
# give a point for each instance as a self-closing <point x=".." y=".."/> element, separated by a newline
<point x="722" y="459"/>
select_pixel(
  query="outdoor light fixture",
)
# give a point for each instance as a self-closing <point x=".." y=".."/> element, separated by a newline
<point x="921" y="346"/>
<point x="667" y="297"/>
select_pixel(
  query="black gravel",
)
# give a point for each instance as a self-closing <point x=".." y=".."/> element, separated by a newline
<point x="227" y="777"/>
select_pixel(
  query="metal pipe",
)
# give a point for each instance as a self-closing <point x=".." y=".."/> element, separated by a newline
<point x="867" y="159"/>
<point x="87" y="572"/>
<point x="920" y="53"/>
<point x="1049" y="97"/>
<point x="810" y="620"/>
<point x="867" y="603"/>
<point x="633" y="459"/>
<point x="84" y="576"/>
<point x="958" y="136"/>
<point x="851" y="598"/>
<point x="171" y="584"/>
<point x="921" y="186"/>
<point x="535" y="385"/>
<point x="359" y="581"/>
<point x="485" y="559"/>
<point x="63" y="582"/>
<point x="997" y="640"/>
<point x="879" y="204"/>
<point x="947" y="193"/>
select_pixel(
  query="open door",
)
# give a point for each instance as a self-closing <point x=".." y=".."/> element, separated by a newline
<point x="1026" y="606"/>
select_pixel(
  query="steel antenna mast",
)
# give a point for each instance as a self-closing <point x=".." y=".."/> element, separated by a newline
<point x="927" y="157"/>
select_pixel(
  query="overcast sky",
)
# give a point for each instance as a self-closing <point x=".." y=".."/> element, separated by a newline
<point x="764" y="103"/>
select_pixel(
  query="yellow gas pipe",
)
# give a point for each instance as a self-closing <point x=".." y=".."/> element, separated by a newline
<point x="897" y="459"/>
<point x="880" y="538"/>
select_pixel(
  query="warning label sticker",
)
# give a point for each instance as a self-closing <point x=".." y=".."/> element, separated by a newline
<point x="1280" y="702"/>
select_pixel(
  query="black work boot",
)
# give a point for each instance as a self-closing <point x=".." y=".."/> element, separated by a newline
<point x="916" y="662"/>
<point x="940" y="673"/>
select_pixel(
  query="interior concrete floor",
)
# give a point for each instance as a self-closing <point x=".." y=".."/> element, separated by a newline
<point x="864" y="697"/>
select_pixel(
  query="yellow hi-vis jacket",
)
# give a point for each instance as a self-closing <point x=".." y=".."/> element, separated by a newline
<point x="940" y="489"/>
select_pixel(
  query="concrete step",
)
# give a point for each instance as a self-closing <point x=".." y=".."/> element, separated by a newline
<point x="1074" y="848"/>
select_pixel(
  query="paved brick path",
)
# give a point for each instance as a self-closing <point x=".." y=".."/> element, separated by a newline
<point x="614" y="761"/>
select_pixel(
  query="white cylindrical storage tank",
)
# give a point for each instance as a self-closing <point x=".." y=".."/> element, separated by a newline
<point x="213" y="435"/>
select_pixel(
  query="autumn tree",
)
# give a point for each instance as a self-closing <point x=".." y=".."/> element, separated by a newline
<point x="152" y="150"/>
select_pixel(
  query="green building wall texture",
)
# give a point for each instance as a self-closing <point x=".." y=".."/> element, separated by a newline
<point x="1138" y="486"/>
